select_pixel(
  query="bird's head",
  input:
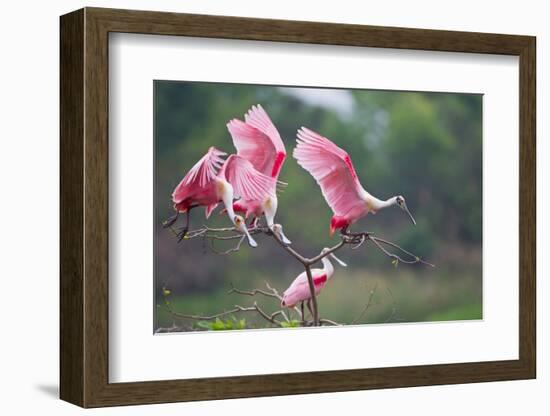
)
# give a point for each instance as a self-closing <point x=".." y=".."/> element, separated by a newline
<point x="241" y="227"/>
<point x="400" y="202"/>
<point x="340" y="262"/>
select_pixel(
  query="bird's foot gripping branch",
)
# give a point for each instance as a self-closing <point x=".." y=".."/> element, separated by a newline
<point x="304" y="289"/>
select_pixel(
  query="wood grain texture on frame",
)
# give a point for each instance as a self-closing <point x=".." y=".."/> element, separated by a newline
<point x="84" y="206"/>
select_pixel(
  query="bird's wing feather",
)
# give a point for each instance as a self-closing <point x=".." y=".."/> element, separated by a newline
<point x="321" y="279"/>
<point x="258" y="141"/>
<point x="247" y="182"/>
<point x="319" y="276"/>
<point x="299" y="288"/>
<point x="332" y="169"/>
<point x="204" y="171"/>
<point x="258" y="117"/>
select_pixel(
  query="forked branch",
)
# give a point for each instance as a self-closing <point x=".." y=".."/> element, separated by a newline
<point x="354" y="240"/>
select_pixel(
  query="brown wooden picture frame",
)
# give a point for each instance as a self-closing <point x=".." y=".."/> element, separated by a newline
<point x="84" y="207"/>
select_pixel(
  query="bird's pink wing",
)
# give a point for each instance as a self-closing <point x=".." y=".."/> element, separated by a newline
<point x="332" y="169"/>
<point x="209" y="208"/>
<point x="297" y="291"/>
<point x="247" y="182"/>
<point x="258" y="117"/>
<point x="258" y="141"/>
<point x="200" y="174"/>
<point x="320" y="280"/>
<point x="299" y="288"/>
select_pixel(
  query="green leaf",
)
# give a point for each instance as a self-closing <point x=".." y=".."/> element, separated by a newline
<point x="204" y="324"/>
<point x="218" y="325"/>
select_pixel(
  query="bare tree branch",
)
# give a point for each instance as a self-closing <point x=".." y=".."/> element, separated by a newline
<point x="252" y="292"/>
<point x="236" y="309"/>
<point x="203" y="317"/>
<point x="354" y="240"/>
<point x="173" y="328"/>
<point x="313" y="295"/>
<point x="270" y="318"/>
<point x="271" y="294"/>
<point x="288" y="249"/>
<point x="415" y="259"/>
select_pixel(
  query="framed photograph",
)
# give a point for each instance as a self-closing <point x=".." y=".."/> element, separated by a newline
<point x="260" y="207"/>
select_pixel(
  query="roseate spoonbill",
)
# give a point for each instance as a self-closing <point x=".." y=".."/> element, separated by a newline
<point x="212" y="180"/>
<point x="258" y="141"/>
<point x="332" y="169"/>
<point x="298" y="291"/>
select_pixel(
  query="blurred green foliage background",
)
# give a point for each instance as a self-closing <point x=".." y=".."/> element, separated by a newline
<point x="424" y="146"/>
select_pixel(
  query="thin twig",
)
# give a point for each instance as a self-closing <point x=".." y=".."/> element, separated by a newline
<point x="378" y="241"/>
<point x="295" y="308"/>
<point x="326" y="252"/>
<point x="360" y="243"/>
<point x="355" y="240"/>
<point x="252" y="292"/>
<point x="270" y="318"/>
<point x="236" y="309"/>
<point x="203" y="317"/>
<point x="393" y="309"/>
<point x="272" y="294"/>
<point x="368" y="304"/>
<point x="329" y="322"/>
<point x="288" y="249"/>
<point x="230" y="250"/>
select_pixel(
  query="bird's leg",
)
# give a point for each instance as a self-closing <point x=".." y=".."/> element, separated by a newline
<point x="302" y="309"/>
<point x="183" y="232"/>
<point x="253" y="223"/>
<point x="309" y="307"/>
<point x="170" y="221"/>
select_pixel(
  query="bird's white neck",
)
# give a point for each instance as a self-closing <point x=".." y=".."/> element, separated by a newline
<point x="328" y="268"/>
<point x="270" y="208"/>
<point x="378" y="204"/>
<point x="226" y="195"/>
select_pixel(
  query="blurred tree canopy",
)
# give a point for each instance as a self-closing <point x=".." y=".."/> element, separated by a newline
<point x="424" y="146"/>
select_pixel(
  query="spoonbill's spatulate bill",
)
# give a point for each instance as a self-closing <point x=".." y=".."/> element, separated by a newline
<point x="212" y="180"/>
<point x="333" y="170"/>
<point x="258" y="141"/>
<point x="298" y="291"/>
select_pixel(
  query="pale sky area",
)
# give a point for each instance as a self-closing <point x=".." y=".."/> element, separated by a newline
<point x="340" y="101"/>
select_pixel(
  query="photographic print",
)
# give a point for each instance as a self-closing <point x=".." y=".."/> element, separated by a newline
<point x="293" y="207"/>
<point x="360" y="200"/>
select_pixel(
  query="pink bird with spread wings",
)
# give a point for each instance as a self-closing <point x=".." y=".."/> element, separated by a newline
<point x="258" y="141"/>
<point x="211" y="181"/>
<point x="298" y="291"/>
<point x="334" y="172"/>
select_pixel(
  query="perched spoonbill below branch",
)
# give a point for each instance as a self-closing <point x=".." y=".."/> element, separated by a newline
<point x="298" y="291"/>
<point x="212" y="180"/>
<point x="332" y="169"/>
<point x="258" y="141"/>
